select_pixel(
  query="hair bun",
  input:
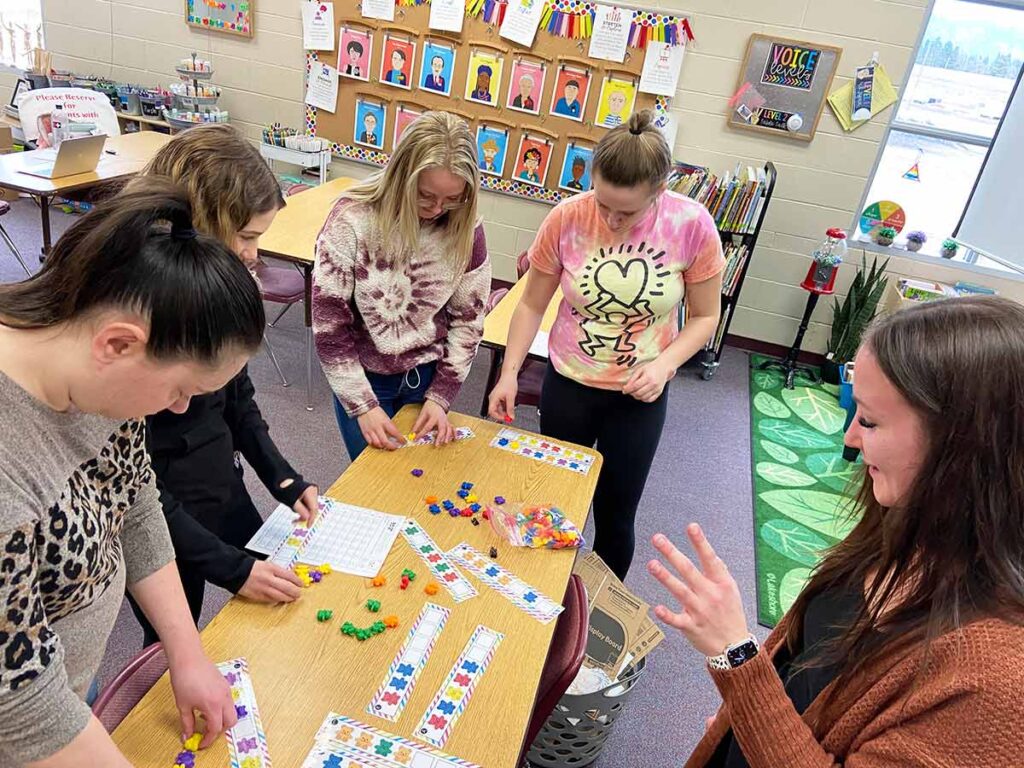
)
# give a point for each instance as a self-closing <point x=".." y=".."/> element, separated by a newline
<point x="640" y="121"/>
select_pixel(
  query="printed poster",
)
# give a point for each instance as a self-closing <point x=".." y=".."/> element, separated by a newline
<point x="611" y="33"/>
<point x="662" y="65"/>
<point x="318" y="26"/>
<point x="791" y="66"/>
<point x="354" y="54"/>
<point x="378" y="9"/>
<point x="522" y="17"/>
<point x="447" y="15"/>
<point x="322" y="87"/>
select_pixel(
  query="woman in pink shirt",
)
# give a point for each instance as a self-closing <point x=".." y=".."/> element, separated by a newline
<point x="623" y="255"/>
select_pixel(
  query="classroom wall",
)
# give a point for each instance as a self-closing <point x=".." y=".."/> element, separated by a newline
<point x="820" y="184"/>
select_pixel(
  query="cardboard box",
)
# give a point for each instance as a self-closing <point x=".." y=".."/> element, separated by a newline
<point x="621" y="629"/>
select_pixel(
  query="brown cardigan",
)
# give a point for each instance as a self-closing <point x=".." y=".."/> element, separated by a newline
<point x="967" y="709"/>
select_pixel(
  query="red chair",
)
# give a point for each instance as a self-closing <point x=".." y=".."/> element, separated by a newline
<point x="565" y="657"/>
<point x="121" y="694"/>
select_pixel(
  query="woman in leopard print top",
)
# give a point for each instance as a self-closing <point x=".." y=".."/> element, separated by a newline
<point x="131" y="314"/>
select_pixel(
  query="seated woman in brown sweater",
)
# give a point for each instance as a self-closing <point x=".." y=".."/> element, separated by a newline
<point x="906" y="648"/>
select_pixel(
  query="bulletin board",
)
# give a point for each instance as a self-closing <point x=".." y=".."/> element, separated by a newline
<point x="233" y="17"/>
<point x="783" y="86"/>
<point x="524" y="117"/>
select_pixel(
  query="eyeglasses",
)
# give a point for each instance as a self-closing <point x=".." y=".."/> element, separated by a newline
<point x="429" y="201"/>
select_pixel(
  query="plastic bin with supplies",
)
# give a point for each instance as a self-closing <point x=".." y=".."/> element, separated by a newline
<point x="576" y="731"/>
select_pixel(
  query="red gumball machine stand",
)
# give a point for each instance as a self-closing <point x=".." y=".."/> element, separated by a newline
<point x="819" y="281"/>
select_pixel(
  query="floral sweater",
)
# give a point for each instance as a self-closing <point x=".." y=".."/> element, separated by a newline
<point x="371" y="313"/>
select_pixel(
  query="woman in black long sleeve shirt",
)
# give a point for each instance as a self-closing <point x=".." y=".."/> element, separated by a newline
<point x="196" y="455"/>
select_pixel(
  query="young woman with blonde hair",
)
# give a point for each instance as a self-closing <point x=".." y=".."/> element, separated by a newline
<point x="209" y="511"/>
<point x="623" y="254"/>
<point x="399" y="286"/>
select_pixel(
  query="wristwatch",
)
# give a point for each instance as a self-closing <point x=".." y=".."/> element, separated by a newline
<point x="735" y="655"/>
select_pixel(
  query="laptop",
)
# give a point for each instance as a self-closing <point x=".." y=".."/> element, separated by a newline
<point x="74" y="156"/>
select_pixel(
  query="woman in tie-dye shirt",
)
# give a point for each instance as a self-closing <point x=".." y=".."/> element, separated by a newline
<point x="623" y="255"/>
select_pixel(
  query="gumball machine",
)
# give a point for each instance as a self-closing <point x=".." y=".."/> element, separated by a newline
<point x="821" y="275"/>
<point x="820" y="281"/>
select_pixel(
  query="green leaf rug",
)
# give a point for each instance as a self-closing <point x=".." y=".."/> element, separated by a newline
<point x="802" y="484"/>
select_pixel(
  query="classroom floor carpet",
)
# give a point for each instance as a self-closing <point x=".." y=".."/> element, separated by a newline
<point x="801" y="483"/>
<point x="701" y="473"/>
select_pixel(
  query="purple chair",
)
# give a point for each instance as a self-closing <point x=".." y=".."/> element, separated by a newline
<point x="121" y="694"/>
<point x="5" y="208"/>
<point x="282" y="285"/>
<point x="565" y="657"/>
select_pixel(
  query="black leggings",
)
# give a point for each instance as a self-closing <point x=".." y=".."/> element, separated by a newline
<point x="626" y="432"/>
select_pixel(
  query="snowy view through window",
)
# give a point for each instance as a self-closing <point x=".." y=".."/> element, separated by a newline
<point x="21" y="31"/>
<point x="953" y="99"/>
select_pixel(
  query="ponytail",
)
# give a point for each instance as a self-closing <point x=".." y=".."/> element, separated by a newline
<point x="634" y="153"/>
<point x="139" y="252"/>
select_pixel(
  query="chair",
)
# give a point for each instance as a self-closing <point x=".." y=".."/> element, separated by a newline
<point x="5" y="208"/>
<point x="279" y="285"/>
<point x="121" y="694"/>
<point x="565" y="657"/>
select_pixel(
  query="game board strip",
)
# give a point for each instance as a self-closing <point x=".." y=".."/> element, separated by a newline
<point x="541" y="449"/>
<point x="289" y="550"/>
<point x="394" y="692"/>
<point x="447" y="574"/>
<point x="519" y="593"/>
<point x="331" y="754"/>
<point x="461" y="433"/>
<point x="247" y="743"/>
<point x="341" y="733"/>
<point x="454" y="695"/>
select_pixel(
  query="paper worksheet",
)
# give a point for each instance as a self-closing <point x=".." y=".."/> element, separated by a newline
<point x="351" y="539"/>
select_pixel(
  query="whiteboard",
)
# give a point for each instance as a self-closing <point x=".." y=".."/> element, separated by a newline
<point x="992" y="222"/>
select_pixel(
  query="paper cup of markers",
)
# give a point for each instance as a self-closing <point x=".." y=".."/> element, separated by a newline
<point x="536" y="526"/>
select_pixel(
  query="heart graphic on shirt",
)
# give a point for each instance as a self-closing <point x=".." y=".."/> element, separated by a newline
<point x="626" y="282"/>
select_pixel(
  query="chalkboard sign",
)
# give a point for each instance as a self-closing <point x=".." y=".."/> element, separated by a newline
<point x="783" y="85"/>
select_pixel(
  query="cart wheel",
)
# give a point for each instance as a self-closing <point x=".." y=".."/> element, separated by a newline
<point x="707" y="373"/>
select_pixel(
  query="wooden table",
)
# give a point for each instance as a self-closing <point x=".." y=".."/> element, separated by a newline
<point x="292" y="238"/>
<point x="132" y="150"/>
<point x="496" y="326"/>
<point x="302" y="670"/>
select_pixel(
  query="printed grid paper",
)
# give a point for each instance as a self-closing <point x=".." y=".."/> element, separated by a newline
<point x="350" y="539"/>
<point x="442" y="570"/>
<point x="394" y="692"/>
<point x="540" y="449"/>
<point x="247" y="743"/>
<point x="370" y="747"/>
<point x="522" y="595"/>
<point x="451" y="699"/>
<point x="461" y="433"/>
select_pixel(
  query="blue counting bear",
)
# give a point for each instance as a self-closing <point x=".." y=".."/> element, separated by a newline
<point x="492" y="571"/>
<point x="399" y="683"/>
<point x="334" y="761"/>
<point x="470" y="666"/>
<point x="447" y="707"/>
<point x="404" y="669"/>
<point x="530" y="597"/>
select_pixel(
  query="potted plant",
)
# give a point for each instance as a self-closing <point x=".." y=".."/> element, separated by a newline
<point x="885" y="235"/>
<point x="850" y="318"/>
<point x="949" y="248"/>
<point x="915" y="240"/>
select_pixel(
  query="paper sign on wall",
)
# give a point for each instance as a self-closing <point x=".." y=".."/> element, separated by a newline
<point x="522" y="17"/>
<point x="318" y="26"/>
<point x="662" y="65"/>
<point x="322" y="87"/>
<point x="611" y="33"/>
<point x="447" y="15"/>
<point x="378" y="9"/>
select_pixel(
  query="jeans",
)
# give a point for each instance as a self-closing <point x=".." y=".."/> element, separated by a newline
<point x="392" y="391"/>
<point x="626" y="432"/>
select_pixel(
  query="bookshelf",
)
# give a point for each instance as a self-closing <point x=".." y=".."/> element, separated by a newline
<point x="738" y="202"/>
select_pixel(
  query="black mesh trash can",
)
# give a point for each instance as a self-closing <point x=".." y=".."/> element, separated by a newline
<point x="575" y="733"/>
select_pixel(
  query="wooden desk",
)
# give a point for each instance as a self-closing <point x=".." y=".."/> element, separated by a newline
<point x="496" y="326"/>
<point x="132" y="150"/>
<point x="292" y="237"/>
<point x="302" y="670"/>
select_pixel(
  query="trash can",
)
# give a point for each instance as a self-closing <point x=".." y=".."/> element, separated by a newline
<point x="575" y="733"/>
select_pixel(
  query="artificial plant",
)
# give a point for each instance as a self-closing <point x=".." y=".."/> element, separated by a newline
<point x="850" y="318"/>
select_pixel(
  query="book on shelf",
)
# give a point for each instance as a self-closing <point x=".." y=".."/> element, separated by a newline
<point x="735" y="259"/>
<point x="734" y="198"/>
<point x="715" y="343"/>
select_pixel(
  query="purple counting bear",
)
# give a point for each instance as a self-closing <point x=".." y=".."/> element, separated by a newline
<point x="247" y="745"/>
<point x="232" y="678"/>
<point x="241" y="711"/>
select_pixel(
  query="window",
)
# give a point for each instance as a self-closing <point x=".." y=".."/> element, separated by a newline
<point x="956" y="92"/>
<point x="21" y="31"/>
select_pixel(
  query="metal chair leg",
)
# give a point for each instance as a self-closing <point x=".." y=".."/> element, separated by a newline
<point x="14" y="250"/>
<point x="273" y="359"/>
<point x="309" y="369"/>
<point x="282" y="314"/>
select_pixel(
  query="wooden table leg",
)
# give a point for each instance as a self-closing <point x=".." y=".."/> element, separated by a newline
<point x="44" y="214"/>
<point x="307" y="273"/>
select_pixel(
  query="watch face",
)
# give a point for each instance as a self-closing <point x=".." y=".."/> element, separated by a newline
<point x="741" y="653"/>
